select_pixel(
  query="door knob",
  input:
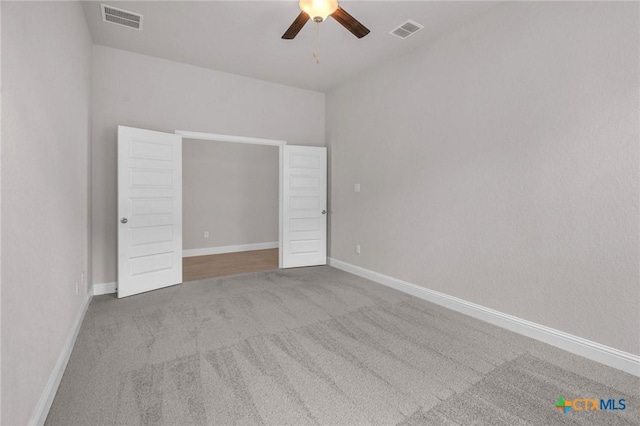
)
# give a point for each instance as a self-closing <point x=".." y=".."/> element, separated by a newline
<point x="324" y="212"/>
<point x="124" y="220"/>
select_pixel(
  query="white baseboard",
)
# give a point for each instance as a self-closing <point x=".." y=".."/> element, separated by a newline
<point x="104" y="288"/>
<point x="229" y="249"/>
<point x="612" y="357"/>
<point x="46" y="398"/>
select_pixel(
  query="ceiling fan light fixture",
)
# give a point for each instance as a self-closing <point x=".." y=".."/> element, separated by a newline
<point x="318" y="10"/>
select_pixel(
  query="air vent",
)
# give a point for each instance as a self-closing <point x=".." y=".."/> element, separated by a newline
<point x="406" y="29"/>
<point x="121" y="17"/>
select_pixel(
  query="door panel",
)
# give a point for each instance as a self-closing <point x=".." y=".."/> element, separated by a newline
<point x="149" y="210"/>
<point x="304" y="204"/>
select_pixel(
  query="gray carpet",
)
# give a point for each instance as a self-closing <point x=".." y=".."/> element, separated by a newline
<point x="316" y="346"/>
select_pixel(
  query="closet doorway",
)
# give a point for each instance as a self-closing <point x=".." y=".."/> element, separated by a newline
<point x="150" y="189"/>
<point x="229" y="208"/>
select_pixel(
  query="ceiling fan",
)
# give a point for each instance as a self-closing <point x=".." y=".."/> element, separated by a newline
<point x="318" y="10"/>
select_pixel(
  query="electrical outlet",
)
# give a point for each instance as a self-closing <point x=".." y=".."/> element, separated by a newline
<point x="358" y="248"/>
<point x="205" y="234"/>
<point x="356" y="187"/>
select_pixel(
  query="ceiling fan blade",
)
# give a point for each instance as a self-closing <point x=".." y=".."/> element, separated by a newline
<point x="350" y="23"/>
<point x="296" y="26"/>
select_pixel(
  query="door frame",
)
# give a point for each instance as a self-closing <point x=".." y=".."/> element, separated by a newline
<point x="187" y="134"/>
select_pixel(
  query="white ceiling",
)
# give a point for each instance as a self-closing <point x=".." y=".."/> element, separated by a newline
<point x="243" y="37"/>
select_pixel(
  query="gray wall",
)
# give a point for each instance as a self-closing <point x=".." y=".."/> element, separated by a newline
<point x="46" y="83"/>
<point x="157" y="94"/>
<point x="1" y="214"/>
<point x="230" y="190"/>
<point x="500" y="165"/>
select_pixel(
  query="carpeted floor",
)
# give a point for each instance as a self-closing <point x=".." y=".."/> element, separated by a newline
<point x="316" y="346"/>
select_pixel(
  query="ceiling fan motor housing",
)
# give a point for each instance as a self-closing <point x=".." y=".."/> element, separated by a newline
<point x="318" y="10"/>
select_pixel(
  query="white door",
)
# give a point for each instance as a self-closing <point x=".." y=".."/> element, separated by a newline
<point x="149" y="210"/>
<point x="303" y="236"/>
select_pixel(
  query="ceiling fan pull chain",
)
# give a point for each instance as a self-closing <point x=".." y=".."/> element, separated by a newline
<point x="315" y="41"/>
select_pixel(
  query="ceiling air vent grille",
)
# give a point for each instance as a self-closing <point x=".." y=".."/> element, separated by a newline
<point x="406" y="29"/>
<point x="121" y="17"/>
